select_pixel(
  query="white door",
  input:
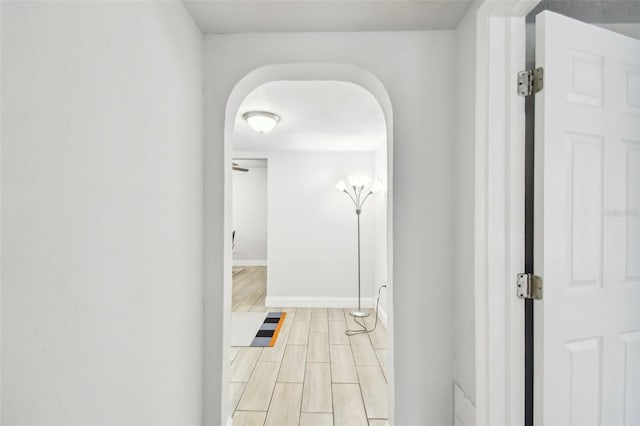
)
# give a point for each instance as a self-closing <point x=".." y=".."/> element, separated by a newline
<point x="587" y="225"/>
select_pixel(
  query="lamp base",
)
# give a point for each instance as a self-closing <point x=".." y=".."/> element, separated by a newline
<point x="359" y="314"/>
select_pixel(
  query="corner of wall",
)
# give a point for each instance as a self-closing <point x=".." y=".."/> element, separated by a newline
<point x="464" y="409"/>
<point x="463" y="177"/>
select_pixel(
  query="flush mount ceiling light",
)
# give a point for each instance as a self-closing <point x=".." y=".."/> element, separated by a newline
<point x="261" y="121"/>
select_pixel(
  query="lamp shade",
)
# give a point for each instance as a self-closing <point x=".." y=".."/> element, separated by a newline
<point x="377" y="186"/>
<point x="261" y="121"/>
<point x="341" y="186"/>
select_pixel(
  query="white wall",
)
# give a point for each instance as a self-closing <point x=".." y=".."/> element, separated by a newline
<point x="417" y="70"/>
<point x="1" y="133"/>
<point x="249" y="198"/>
<point x="101" y="214"/>
<point x="629" y="29"/>
<point x="379" y="205"/>
<point x="312" y="230"/>
<point x="463" y="209"/>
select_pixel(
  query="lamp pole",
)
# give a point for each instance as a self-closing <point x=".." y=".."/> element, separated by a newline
<point x="358" y="195"/>
<point x="359" y="312"/>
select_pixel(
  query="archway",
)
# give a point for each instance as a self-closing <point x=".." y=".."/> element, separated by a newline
<point x="297" y="72"/>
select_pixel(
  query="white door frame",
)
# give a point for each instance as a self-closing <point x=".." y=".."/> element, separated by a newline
<point x="499" y="211"/>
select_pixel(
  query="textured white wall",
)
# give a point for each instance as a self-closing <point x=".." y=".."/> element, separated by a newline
<point x="379" y="205"/>
<point x="629" y="29"/>
<point x="417" y="70"/>
<point x="249" y="198"/>
<point x="312" y="228"/>
<point x="101" y="214"/>
<point x="463" y="209"/>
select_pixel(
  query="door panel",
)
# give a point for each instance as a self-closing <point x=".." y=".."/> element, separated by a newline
<point x="587" y="225"/>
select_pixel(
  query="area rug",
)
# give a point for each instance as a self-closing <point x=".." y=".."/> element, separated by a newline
<point x="258" y="329"/>
<point x="268" y="332"/>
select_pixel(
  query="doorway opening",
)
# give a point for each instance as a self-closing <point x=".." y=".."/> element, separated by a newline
<point x="329" y="130"/>
<point x="249" y="235"/>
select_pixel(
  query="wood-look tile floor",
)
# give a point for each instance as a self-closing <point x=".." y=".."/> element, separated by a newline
<point x="315" y="375"/>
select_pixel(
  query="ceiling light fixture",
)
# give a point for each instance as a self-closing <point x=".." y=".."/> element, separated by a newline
<point x="261" y="121"/>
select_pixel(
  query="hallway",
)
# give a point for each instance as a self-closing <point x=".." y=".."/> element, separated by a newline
<point x="315" y="375"/>
<point x="120" y="123"/>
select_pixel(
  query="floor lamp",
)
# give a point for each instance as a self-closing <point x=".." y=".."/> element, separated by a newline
<point x="357" y="193"/>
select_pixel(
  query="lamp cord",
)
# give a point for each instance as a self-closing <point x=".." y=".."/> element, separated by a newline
<point x="361" y="324"/>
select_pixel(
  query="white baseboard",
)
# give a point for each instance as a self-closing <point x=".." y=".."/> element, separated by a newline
<point x="317" y="302"/>
<point x="229" y="421"/>
<point x="249" y="263"/>
<point x="464" y="410"/>
<point x="382" y="315"/>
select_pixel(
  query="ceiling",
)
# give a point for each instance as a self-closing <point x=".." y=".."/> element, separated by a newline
<point x="315" y="116"/>
<point x="244" y="16"/>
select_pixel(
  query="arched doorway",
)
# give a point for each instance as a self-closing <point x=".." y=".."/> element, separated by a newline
<point x="291" y="72"/>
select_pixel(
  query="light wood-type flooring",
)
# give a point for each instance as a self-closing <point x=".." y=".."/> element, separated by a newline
<point x="315" y="375"/>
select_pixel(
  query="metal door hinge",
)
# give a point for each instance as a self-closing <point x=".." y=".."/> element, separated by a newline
<point x="529" y="286"/>
<point x="530" y="82"/>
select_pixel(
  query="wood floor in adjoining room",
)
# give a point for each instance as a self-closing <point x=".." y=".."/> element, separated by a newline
<point x="249" y="288"/>
<point x="315" y="375"/>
